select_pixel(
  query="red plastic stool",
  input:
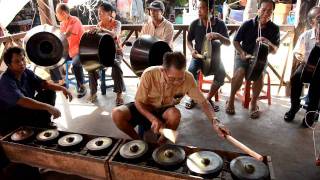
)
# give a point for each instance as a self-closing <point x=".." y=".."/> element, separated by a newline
<point x="202" y="81"/>
<point x="245" y="94"/>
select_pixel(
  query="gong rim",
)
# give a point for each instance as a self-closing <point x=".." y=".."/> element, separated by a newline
<point x="169" y="155"/>
<point x="22" y="134"/>
<point x="46" y="34"/>
<point x="204" y="163"/>
<point x="48" y="135"/>
<point x="98" y="144"/>
<point x="134" y="149"/>
<point x="65" y="141"/>
<point x="246" y="167"/>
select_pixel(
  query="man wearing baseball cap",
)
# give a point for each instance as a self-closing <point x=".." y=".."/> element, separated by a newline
<point x="158" y="26"/>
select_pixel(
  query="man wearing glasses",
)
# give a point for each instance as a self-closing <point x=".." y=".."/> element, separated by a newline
<point x="160" y="89"/>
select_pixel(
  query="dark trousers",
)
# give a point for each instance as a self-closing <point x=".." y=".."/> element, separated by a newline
<point x="116" y="74"/>
<point x="77" y="69"/>
<point x="296" y="90"/>
<point x="17" y="116"/>
<point x="218" y="72"/>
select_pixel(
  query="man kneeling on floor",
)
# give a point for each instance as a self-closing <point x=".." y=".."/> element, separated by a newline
<point x="160" y="89"/>
<point x="18" y="103"/>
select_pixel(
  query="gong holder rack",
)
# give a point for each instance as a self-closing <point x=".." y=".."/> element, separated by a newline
<point x="111" y="165"/>
<point x="76" y="161"/>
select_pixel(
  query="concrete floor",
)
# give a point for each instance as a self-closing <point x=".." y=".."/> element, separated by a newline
<point x="289" y="145"/>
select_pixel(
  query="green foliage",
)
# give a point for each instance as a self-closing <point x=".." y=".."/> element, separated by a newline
<point x="181" y="3"/>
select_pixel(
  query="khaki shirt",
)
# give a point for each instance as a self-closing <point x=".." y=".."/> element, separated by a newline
<point x="305" y="44"/>
<point x="155" y="91"/>
<point x="164" y="31"/>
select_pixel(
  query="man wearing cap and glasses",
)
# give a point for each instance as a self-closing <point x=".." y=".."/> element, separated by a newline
<point x="158" y="26"/>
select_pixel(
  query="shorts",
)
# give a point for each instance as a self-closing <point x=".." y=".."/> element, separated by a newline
<point x="139" y="119"/>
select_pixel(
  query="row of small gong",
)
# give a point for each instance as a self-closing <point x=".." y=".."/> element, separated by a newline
<point x="67" y="142"/>
<point x="202" y="163"/>
<point x="170" y="157"/>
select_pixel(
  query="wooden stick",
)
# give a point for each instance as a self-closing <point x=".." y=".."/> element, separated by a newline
<point x="244" y="148"/>
<point x="169" y="134"/>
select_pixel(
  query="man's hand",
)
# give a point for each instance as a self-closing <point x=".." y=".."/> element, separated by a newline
<point x="298" y="56"/>
<point x="95" y="30"/>
<point x="220" y="129"/>
<point x="67" y="94"/>
<point x="54" y="111"/>
<point x="195" y="54"/>
<point x="156" y="125"/>
<point x="264" y="40"/>
<point x="243" y="56"/>
<point x="213" y="36"/>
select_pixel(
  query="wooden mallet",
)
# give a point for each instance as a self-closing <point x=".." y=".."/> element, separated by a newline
<point x="169" y="134"/>
<point x="244" y="148"/>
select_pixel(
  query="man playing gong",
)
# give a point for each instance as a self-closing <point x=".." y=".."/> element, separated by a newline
<point x="306" y="42"/>
<point x="160" y="89"/>
<point x="244" y="43"/>
<point x="158" y="26"/>
<point x="216" y="32"/>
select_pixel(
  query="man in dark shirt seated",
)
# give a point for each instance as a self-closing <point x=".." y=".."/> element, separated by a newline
<point x="244" y="43"/>
<point x="216" y="32"/>
<point x="18" y="103"/>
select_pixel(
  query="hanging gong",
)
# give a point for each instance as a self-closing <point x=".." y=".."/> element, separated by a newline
<point x="309" y="68"/>
<point x="206" y="53"/>
<point x="133" y="149"/>
<point x="147" y="51"/>
<point x="70" y="140"/>
<point x="258" y="62"/>
<point x="22" y="135"/>
<point x="96" y="50"/>
<point x="48" y="135"/>
<point x="168" y="155"/>
<point x="46" y="46"/>
<point x="248" y="168"/>
<point x="98" y="144"/>
<point x="205" y="163"/>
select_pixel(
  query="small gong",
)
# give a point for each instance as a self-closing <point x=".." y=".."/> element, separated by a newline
<point x="133" y="149"/>
<point x="168" y="155"/>
<point x="205" y="162"/>
<point x="246" y="167"/>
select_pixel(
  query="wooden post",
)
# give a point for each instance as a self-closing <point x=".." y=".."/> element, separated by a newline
<point x="46" y="12"/>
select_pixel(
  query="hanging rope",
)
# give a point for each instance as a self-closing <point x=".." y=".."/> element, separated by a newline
<point x="314" y="128"/>
<point x="209" y="25"/>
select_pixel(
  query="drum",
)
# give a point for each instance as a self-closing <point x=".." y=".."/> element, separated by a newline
<point x="258" y="62"/>
<point x="96" y="50"/>
<point x="46" y="46"/>
<point x="147" y="51"/>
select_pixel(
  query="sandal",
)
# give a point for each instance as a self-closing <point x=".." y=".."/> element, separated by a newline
<point x="255" y="113"/>
<point x="119" y="101"/>
<point x="190" y="104"/>
<point x="229" y="110"/>
<point x="92" y="98"/>
<point x="215" y="107"/>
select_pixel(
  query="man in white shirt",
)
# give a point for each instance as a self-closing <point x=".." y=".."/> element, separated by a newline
<point x="306" y="42"/>
<point x="158" y="26"/>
